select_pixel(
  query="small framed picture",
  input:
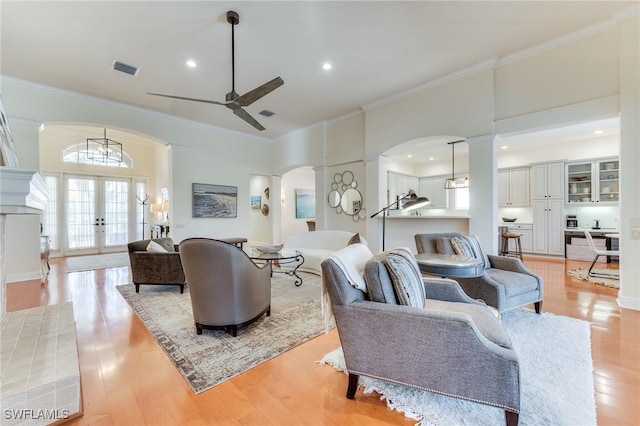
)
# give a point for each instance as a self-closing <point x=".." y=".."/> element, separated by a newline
<point x="256" y="202"/>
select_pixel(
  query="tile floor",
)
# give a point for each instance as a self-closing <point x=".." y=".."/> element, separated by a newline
<point x="40" y="376"/>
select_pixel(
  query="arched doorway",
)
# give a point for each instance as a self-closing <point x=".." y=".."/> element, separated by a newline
<point x="98" y="205"/>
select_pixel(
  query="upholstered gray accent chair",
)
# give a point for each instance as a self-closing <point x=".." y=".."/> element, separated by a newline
<point x="227" y="289"/>
<point x="455" y="346"/>
<point x="155" y="268"/>
<point x="505" y="284"/>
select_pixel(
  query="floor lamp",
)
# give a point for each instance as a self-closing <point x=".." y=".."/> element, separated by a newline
<point x="414" y="202"/>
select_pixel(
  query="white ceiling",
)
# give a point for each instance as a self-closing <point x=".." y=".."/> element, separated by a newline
<point x="377" y="49"/>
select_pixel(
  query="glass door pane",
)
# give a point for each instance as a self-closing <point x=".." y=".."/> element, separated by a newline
<point x="81" y="214"/>
<point x="114" y="219"/>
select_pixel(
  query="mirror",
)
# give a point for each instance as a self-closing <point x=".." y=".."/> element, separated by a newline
<point x="347" y="177"/>
<point x="351" y="202"/>
<point x="334" y="199"/>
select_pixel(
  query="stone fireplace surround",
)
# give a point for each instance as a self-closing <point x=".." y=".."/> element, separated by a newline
<point x="40" y="375"/>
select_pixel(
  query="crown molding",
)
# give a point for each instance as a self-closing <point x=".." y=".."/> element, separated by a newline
<point x="114" y="104"/>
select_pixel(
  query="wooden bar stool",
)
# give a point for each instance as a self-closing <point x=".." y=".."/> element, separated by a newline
<point x="504" y="250"/>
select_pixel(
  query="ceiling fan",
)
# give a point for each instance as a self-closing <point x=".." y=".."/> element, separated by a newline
<point x="232" y="100"/>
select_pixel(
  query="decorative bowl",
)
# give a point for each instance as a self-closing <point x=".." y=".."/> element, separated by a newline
<point x="509" y="219"/>
<point x="269" y="249"/>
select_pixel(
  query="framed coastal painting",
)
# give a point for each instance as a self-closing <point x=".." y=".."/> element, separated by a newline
<point x="256" y="202"/>
<point x="217" y="201"/>
<point x="305" y="203"/>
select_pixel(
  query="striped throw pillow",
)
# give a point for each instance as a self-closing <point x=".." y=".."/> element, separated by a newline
<point x="461" y="247"/>
<point x="407" y="281"/>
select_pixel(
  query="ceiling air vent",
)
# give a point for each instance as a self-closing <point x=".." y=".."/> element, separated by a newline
<point x="120" y="66"/>
<point x="266" y="113"/>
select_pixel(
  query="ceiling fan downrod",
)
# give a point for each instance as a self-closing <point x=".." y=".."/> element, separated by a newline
<point x="233" y="18"/>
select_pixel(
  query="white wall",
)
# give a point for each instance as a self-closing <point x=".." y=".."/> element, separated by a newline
<point x="259" y="224"/>
<point x="301" y="178"/>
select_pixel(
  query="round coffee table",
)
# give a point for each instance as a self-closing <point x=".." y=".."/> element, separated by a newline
<point x="284" y="256"/>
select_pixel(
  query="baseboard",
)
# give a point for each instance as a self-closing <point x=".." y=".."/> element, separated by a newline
<point x="629" y="303"/>
<point x="25" y="276"/>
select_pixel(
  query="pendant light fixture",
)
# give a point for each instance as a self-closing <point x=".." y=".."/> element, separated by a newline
<point x="104" y="150"/>
<point x="453" y="182"/>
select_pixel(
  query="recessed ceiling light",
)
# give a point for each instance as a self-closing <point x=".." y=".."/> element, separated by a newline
<point x="191" y="63"/>
<point x="598" y="132"/>
<point x="431" y="158"/>
<point x="409" y="156"/>
<point x="326" y="66"/>
<point x="504" y="147"/>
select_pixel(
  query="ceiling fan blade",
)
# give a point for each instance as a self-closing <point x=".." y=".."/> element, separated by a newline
<point x="248" y="118"/>
<point x="252" y="96"/>
<point x="188" y="99"/>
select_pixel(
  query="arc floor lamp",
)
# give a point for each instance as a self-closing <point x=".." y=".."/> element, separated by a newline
<point x="414" y="203"/>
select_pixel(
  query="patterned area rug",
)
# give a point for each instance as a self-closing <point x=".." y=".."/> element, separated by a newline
<point x="607" y="282"/>
<point x="215" y="356"/>
<point x="556" y="373"/>
<point x="101" y="261"/>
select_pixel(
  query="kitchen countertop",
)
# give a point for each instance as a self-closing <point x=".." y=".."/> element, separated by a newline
<point x="601" y="230"/>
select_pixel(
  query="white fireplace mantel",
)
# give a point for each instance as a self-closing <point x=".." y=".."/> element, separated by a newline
<point x="22" y="191"/>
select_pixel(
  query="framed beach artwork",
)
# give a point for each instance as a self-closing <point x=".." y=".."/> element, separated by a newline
<point x="305" y="203"/>
<point x="256" y="202"/>
<point x="217" y="201"/>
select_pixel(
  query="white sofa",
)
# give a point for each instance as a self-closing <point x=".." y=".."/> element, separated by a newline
<point x="316" y="246"/>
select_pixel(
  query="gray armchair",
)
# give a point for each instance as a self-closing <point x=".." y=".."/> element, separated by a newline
<point x="505" y="284"/>
<point x="455" y="346"/>
<point x="227" y="289"/>
<point x="155" y="268"/>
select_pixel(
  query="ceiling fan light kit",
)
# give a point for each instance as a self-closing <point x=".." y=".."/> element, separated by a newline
<point x="232" y="100"/>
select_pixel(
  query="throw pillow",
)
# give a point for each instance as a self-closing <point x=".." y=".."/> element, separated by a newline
<point x="354" y="240"/>
<point x="443" y="245"/>
<point x="461" y="247"/>
<point x="406" y="278"/>
<point x="477" y="250"/>
<point x="154" y="247"/>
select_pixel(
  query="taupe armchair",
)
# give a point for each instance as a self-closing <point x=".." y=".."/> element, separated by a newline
<point x="455" y="346"/>
<point x="227" y="289"/>
<point x="155" y="268"/>
<point x="505" y="284"/>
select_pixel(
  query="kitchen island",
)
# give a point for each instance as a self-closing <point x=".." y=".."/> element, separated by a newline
<point x="400" y="229"/>
<point x="577" y="247"/>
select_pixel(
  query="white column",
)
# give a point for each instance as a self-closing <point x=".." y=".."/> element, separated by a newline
<point x="629" y="295"/>
<point x="322" y="189"/>
<point x="483" y="191"/>
<point x="275" y="210"/>
<point x="375" y="199"/>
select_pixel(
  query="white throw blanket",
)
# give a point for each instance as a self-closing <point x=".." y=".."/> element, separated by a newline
<point x="351" y="261"/>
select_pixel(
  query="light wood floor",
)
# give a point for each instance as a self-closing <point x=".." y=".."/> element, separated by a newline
<point x="128" y="380"/>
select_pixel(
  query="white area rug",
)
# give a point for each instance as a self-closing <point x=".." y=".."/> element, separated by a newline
<point x="607" y="282"/>
<point x="556" y="372"/>
<point x="101" y="261"/>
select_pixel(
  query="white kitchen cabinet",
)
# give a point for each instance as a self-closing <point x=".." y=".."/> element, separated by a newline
<point x="547" y="181"/>
<point x="593" y="181"/>
<point x="548" y="226"/>
<point x="513" y="187"/>
<point x="398" y="184"/>
<point x="433" y="188"/>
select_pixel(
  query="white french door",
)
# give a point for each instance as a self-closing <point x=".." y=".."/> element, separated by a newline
<point x="97" y="211"/>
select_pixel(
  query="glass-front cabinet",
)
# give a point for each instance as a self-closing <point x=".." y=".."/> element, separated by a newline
<point x="593" y="181"/>
<point x="609" y="181"/>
